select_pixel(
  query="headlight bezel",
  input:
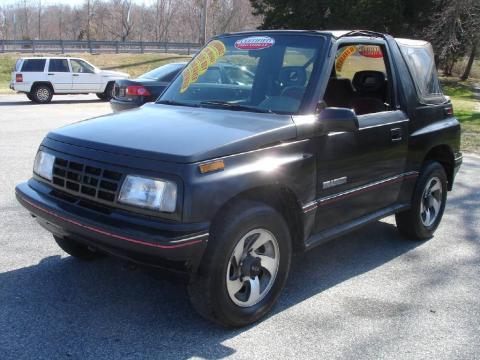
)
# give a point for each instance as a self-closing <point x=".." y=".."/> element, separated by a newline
<point x="158" y="204"/>
<point x="43" y="165"/>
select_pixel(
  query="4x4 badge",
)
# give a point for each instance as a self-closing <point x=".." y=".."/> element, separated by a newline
<point x="335" y="182"/>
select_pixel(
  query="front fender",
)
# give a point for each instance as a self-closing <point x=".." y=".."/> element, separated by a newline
<point x="287" y="165"/>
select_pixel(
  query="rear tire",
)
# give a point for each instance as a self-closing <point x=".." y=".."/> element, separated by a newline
<point x="223" y="290"/>
<point x="108" y="93"/>
<point x="101" y="96"/>
<point x="428" y="204"/>
<point x="76" y="249"/>
<point x="29" y="96"/>
<point x="42" y="94"/>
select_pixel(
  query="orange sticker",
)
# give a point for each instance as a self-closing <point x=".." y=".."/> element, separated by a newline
<point x="211" y="54"/>
<point x="185" y="79"/>
<point x="343" y="56"/>
<point x="203" y="62"/>
<point x="199" y="65"/>
<point x="219" y="46"/>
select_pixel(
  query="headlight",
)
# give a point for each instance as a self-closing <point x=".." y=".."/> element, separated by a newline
<point x="160" y="195"/>
<point x="43" y="165"/>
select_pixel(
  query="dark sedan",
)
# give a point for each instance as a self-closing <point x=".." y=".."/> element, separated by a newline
<point x="132" y="93"/>
<point x="148" y="87"/>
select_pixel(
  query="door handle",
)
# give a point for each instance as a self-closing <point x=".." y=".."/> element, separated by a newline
<point x="75" y="74"/>
<point x="396" y="134"/>
<point x="50" y="74"/>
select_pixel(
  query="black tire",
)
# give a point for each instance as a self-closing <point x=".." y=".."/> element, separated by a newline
<point x="101" y="96"/>
<point x="108" y="93"/>
<point x="29" y="96"/>
<point x="411" y="223"/>
<point x="42" y="94"/>
<point x="208" y="288"/>
<point x="76" y="249"/>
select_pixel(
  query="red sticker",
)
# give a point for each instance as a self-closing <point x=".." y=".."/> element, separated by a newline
<point x="255" y="43"/>
<point x="372" y="51"/>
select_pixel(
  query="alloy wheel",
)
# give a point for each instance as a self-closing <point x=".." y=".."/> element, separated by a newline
<point x="252" y="268"/>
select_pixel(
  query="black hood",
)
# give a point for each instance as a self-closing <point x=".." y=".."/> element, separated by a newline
<point x="178" y="134"/>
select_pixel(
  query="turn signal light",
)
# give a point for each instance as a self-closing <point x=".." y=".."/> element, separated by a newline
<point x="211" y="166"/>
<point x="19" y="78"/>
<point x="137" y="90"/>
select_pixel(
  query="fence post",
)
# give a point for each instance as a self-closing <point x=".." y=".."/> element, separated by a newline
<point x="62" y="46"/>
<point x="33" y="46"/>
<point x="90" y="46"/>
<point x="116" y="47"/>
<point x="166" y="47"/>
<point x="141" y="47"/>
<point x="3" y="46"/>
<point x="188" y="49"/>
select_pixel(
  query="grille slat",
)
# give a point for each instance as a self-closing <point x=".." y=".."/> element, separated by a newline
<point x="87" y="181"/>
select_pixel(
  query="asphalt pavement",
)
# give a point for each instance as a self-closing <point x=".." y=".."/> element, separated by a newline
<point x="370" y="294"/>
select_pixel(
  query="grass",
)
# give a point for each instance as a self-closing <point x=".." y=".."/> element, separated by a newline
<point x="466" y="106"/>
<point x="134" y="64"/>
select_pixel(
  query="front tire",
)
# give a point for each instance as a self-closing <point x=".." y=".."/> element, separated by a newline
<point x="29" y="96"/>
<point x="428" y="204"/>
<point x="76" y="249"/>
<point x="245" y="265"/>
<point x="42" y="94"/>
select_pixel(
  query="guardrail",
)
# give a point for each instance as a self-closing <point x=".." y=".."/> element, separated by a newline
<point x="75" y="46"/>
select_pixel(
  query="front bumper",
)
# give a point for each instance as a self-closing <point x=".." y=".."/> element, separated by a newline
<point x="123" y="234"/>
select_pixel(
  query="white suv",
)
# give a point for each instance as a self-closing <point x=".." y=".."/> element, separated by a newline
<point x="42" y="77"/>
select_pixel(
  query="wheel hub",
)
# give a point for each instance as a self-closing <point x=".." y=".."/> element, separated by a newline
<point x="250" y="267"/>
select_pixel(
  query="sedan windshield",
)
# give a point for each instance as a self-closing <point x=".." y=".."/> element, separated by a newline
<point x="249" y="73"/>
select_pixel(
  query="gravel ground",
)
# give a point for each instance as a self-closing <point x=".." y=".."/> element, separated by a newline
<point x="370" y="294"/>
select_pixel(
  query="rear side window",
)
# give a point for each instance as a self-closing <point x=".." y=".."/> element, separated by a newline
<point x="420" y="61"/>
<point x="58" y="65"/>
<point x="33" y="65"/>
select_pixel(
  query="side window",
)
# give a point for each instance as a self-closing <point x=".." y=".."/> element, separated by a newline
<point x="58" y="65"/>
<point x="169" y="77"/>
<point x="33" y="65"/>
<point x="79" y="66"/>
<point x="211" y="76"/>
<point x="359" y="79"/>
<point x="239" y="75"/>
<point x="420" y="60"/>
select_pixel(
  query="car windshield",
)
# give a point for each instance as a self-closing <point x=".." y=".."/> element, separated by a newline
<point x="249" y="73"/>
<point x="163" y="73"/>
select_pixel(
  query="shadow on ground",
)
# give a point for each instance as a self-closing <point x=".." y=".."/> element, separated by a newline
<point x="53" y="102"/>
<point x="65" y="308"/>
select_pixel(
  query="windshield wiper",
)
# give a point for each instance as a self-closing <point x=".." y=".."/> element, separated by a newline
<point x="178" y="103"/>
<point x="235" y="107"/>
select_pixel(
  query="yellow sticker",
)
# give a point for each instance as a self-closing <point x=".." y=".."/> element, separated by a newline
<point x="208" y="56"/>
<point x="344" y="56"/>
<point x="203" y="62"/>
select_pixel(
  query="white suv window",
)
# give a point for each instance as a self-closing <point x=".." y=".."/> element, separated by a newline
<point x="33" y="65"/>
<point x="58" y="65"/>
<point x="79" y="66"/>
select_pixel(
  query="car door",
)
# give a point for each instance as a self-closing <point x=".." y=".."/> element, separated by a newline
<point x="360" y="173"/>
<point x="85" y="79"/>
<point x="59" y="75"/>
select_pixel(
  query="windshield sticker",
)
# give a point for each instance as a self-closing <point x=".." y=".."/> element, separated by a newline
<point x="199" y="65"/>
<point x="344" y="56"/>
<point x="370" y="51"/>
<point x="255" y="43"/>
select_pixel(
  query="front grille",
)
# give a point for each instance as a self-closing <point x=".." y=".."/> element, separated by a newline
<point x="88" y="181"/>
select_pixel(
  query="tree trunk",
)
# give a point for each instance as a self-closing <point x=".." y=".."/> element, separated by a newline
<point x="466" y="73"/>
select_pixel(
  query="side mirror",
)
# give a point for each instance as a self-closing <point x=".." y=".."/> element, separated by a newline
<point x="334" y="119"/>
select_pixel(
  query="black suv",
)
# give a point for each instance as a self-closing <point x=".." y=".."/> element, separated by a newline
<point x="225" y="181"/>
